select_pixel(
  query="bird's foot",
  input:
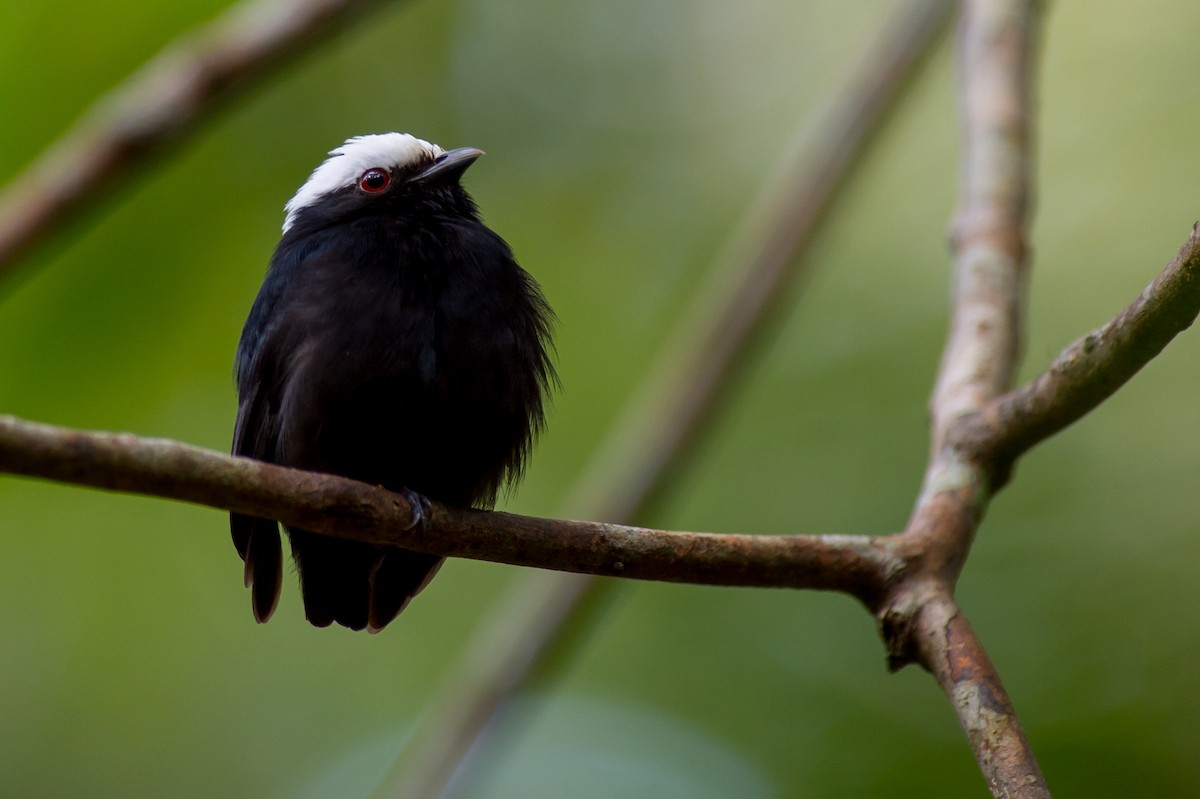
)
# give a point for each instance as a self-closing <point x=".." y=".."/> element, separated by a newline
<point x="421" y="508"/>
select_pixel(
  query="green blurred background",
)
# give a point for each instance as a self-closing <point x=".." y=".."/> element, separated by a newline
<point x="624" y="139"/>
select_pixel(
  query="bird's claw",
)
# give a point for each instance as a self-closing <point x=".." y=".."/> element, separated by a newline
<point x="420" y="506"/>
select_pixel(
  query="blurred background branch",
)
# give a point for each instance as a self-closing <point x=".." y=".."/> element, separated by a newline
<point x="747" y="287"/>
<point x="155" y="108"/>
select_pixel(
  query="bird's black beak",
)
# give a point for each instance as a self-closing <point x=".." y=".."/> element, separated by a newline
<point x="449" y="166"/>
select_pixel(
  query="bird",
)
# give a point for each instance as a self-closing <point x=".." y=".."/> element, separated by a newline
<point x="396" y="341"/>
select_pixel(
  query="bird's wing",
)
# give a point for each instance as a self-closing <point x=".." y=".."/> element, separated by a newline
<point x="256" y="539"/>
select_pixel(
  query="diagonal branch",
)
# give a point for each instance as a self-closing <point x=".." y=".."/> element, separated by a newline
<point x="749" y="284"/>
<point x="156" y="107"/>
<point x="1092" y="368"/>
<point x="664" y="422"/>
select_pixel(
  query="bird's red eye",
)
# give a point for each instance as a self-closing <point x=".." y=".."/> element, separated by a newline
<point x="374" y="180"/>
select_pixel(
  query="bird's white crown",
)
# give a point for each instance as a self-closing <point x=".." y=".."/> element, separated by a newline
<point x="346" y="163"/>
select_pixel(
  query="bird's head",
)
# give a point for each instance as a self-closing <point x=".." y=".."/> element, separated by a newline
<point x="382" y="172"/>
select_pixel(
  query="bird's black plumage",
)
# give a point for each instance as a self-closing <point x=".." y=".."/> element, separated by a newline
<point x="396" y="341"/>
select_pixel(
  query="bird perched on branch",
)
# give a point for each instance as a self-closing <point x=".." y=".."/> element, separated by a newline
<point x="395" y="341"/>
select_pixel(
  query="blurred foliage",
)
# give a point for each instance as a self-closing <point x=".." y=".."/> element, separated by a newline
<point x="623" y="140"/>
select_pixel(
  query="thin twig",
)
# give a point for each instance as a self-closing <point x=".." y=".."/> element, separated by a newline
<point x="180" y="87"/>
<point x="346" y="508"/>
<point x="747" y="287"/>
<point x="1092" y="368"/>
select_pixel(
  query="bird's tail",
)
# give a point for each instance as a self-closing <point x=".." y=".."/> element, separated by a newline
<point x="357" y="585"/>
<point x="257" y="541"/>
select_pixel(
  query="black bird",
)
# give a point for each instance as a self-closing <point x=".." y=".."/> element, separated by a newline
<point x="396" y="341"/>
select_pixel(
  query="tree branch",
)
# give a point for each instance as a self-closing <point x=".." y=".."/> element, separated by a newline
<point x="919" y="620"/>
<point x="995" y="56"/>
<point x="157" y="106"/>
<point x="965" y="672"/>
<point x="1092" y="368"/>
<point x="348" y="509"/>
